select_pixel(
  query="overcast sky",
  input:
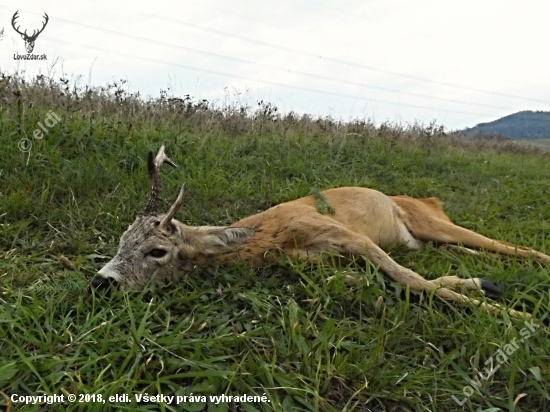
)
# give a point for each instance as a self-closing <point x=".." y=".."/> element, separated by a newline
<point x="460" y="62"/>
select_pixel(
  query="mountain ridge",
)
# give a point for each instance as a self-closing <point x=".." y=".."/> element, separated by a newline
<point x="523" y="125"/>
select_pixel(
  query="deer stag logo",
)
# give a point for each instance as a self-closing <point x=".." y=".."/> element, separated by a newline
<point x="29" y="40"/>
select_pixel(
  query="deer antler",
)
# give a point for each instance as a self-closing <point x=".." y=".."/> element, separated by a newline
<point x="173" y="210"/>
<point x="36" y="33"/>
<point x="154" y="165"/>
<point x="15" y="16"/>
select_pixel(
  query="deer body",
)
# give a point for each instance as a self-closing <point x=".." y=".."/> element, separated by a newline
<point x="362" y="223"/>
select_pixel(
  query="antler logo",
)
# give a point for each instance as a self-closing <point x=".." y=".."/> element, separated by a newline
<point x="29" y="40"/>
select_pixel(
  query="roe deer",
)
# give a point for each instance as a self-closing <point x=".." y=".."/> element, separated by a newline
<point x="361" y="223"/>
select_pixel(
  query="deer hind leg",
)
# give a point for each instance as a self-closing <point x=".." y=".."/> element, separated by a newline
<point x="449" y="233"/>
<point x="426" y="220"/>
<point x="343" y="241"/>
<point x="449" y="282"/>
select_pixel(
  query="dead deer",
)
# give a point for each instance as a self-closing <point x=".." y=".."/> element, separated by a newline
<point x="361" y="224"/>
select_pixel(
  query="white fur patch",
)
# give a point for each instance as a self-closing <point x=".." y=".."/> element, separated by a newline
<point x="407" y="239"/>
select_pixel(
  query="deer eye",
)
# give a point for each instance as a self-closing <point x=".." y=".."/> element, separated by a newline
<point x="157" y="253"/>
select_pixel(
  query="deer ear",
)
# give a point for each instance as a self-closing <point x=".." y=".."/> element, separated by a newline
<point x="225" y="239"/>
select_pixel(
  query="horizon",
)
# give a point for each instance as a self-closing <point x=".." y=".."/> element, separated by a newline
<point x="310" y="57"/>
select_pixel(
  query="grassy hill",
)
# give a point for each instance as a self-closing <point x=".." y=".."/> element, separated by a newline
<point x="309" y="337"/>
<point x="526" y="125"/>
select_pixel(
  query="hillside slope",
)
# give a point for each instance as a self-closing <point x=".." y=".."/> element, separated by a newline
<point x="522" y="125"/>
<point x="298" y="336"/>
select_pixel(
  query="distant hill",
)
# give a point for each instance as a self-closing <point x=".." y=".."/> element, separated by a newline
<point x="521" y="125"/>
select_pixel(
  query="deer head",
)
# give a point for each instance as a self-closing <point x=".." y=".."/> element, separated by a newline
<point x="29" y="40"/>
<point x="160" y="246"/>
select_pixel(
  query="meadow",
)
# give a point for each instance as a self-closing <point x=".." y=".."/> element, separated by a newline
<point x="300" y="337"/>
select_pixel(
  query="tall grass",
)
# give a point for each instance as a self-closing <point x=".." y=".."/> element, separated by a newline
<point x="309" y="337"/>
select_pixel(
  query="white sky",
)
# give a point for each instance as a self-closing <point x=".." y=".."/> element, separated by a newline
<point x="460" y="62"/>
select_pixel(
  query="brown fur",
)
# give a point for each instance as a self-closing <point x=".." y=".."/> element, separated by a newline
<point x="364" y="222"/>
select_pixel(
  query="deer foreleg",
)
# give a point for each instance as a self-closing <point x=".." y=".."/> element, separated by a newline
<point x="337" y="239"/>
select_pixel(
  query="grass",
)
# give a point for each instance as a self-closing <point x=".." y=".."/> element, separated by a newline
<point x="542" y="143"/>
<point x="309" y="337"/>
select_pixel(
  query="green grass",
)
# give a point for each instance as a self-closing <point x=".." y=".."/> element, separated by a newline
<point x="542" y="143"/>
<point x="309" y="337"/>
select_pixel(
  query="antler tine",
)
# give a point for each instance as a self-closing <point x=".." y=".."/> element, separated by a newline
<point x="15" y="16"/>
<point x="173" y="209"/>
<point x="43" y="24"/>
<point x="153" y="166"/>
<point x="161" y="157"/>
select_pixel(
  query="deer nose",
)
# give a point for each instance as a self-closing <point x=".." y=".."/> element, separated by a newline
<point x="101" y="284"/>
